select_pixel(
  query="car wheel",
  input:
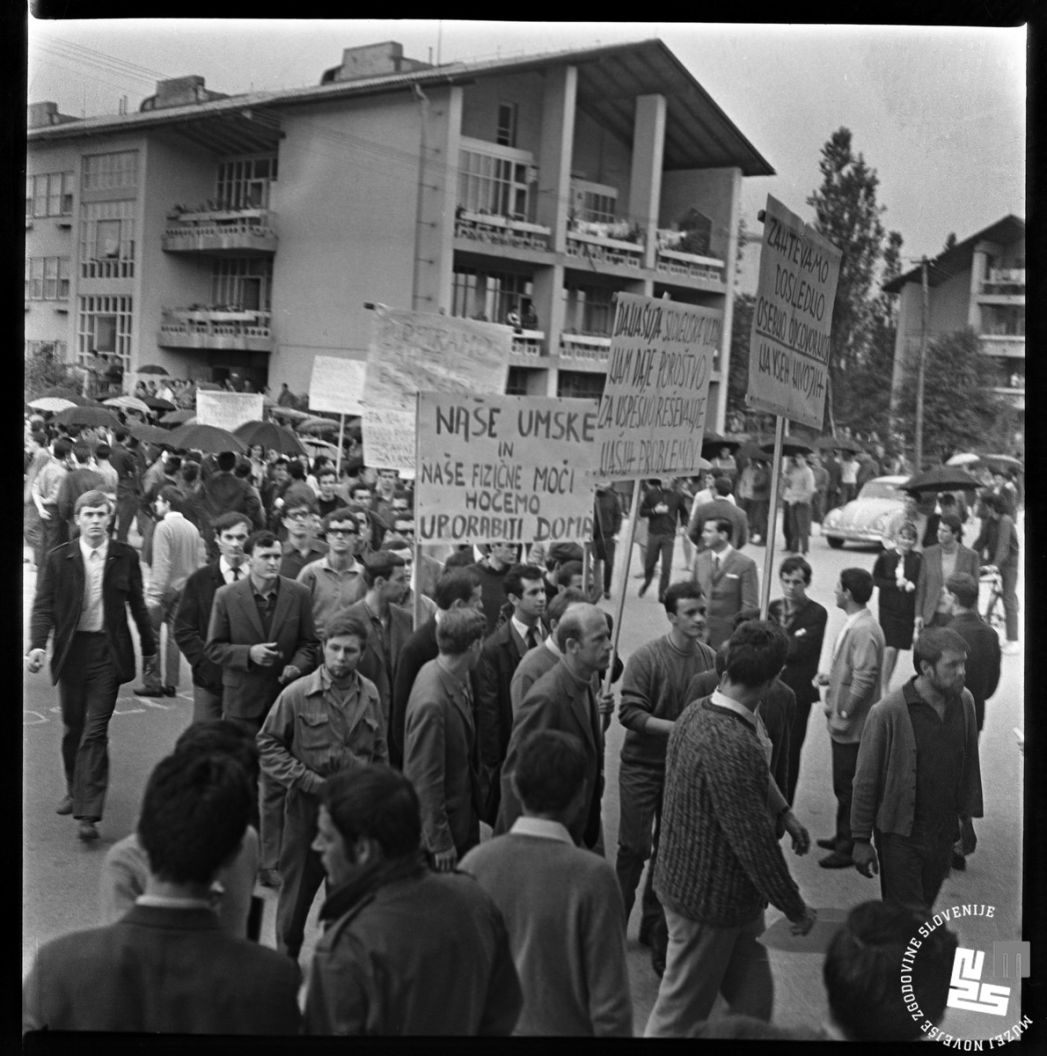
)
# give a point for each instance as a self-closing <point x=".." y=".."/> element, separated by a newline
<point x="835" y="543"/>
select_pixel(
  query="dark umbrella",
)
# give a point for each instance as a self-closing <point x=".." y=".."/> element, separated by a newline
<point x="839" y="443"/>
<point x="178" y="417"/>
<point x="150" y="368"/>
<point x="942" y="478"/>
<point x="790" y="446"/>
<point x="206" y="438"/>
<point x="753" y="450"/>
<point x="87" y="416"/>
<point x="149" y="434"/>
<point x="718" y="441"/>
<point x="270" y="436"/>
<point x="158" y="404"/>
<point x="317" y="425"/>
<point x="60" y="392"/>
<point x="289" y="412"/>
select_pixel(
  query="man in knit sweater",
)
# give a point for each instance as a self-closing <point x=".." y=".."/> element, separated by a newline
<point x="653" y="695"/>
<point x="560" y="903"/>
<point x="719" y="862"/>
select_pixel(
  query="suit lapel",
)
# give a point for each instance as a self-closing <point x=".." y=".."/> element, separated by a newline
<point x="280" y="613"/>
<point x="245" y="596"/>
<point x="580" y="705"/>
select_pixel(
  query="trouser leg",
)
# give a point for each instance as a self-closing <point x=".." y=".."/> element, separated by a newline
<point x="650" y="559"/>
<point x="301" y="871"/>
<point x="608" y="564"/>
<point x="151" y="672"/>
<point x="272" y="821"/>
<point x="666" y="545"/>
<point x="797" y="735"/>
<point x="844" y="763"/>
<point x="126" y="507"/>
<point x="639" y="791"/>
<point x="748" y="986"/>
<point x="801" y="526"/>
<point x="206" y="704"/>
<point x="903" y="862"/>
<point x="1009" y="575"/>
<point x="172" y="654"/>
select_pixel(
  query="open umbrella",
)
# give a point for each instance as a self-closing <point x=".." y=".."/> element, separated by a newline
<point x="271" y="436"/>
<point x="965" y="458"/>
<point x="839" y="443"/>
<point x="60" y="392"/>
<point x="790" y="446"/>
<point x="87" y="416"/>
<point x="1005" y="462"/>
<point x="51" y="403"/>
<point x="207" y="438"/>
<point x="157" y="404"/>
<point x="316" y="425"/>
<point x="753" y="449"/>
<point x="177" y="417"/>
<point x="149" y="434"/>
<point x="151" y="368"/>
<point x="289" y="412"/>
<point x="715" y="440"/>
<point x="316" y="447"/>
<point x="942" y="478"/>
<point x="129" y="403"/>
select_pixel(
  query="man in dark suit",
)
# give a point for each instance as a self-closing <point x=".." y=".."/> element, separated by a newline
<point x="262" y="636"/>
<point x="457" y="588"/>
<point x="803" y="621"/>
<point x="440" y="756"/>
<point x="728" y="579"/>
<point x="223" y="492"/>
<point x="82" y="594"/>
<point x="665" y="510"/>
<point x="169" y="965"/>
<point x="565" y="699"/>
<point x="385" y="575"/>
<point x="126" y="458"/>
<point x="193" y="616"/>
<point x="721" y="506"/>
<point x="502" y="652"/>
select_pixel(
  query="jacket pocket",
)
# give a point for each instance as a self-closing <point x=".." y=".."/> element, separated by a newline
<point x="314" y="732"/>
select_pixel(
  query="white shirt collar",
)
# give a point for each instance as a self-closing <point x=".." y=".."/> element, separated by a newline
<point x="721" y="700"/>
<point x="102" y="548"/>
<point x="544" y="828"/>
<point x="522" y="629"/>
<point x="163" y="902"/>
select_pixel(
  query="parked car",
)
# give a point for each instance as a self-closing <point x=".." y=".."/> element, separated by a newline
<point x="864" y="518"/>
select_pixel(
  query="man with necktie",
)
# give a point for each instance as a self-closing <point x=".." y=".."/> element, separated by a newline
<point x="727" y="578"/>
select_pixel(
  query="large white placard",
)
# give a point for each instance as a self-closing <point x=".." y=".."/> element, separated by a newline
<point x="227" y="410"/>
<point x="504" y="468"/>
<point x="337" y="384"/>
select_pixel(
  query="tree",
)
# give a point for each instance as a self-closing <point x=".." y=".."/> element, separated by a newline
<point x="950" y="241"/>
<point x="738" y="372"/>
<point x="959" y="411"/>
<point x="44" y="369"/>
<point x="847" y="214"/>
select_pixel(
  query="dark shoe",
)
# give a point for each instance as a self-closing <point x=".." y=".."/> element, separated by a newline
<point x="606" y="595"/>
<point x="658" y="963"/>
<point x="828" y="845"/>
<point x="170" y="691"/>
<point x="87" y="831"/>
<point x="269" y="878"/>
<point x="643" y="590"/>
<point x="148" y="691"/>
<point x="836" y="861"/>
<point x="959" y="863"/>
<point x="65" y="805"/>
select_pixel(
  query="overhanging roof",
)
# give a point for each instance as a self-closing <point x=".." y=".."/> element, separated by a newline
<point x="953" y="261"/>
<point x="698" y="134"/>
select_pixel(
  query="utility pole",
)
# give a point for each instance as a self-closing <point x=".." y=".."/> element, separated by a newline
<point x="921" y="370"/>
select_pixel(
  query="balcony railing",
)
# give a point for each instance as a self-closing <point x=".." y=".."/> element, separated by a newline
<point x="610" y="243"/>
<point x="669" y="258"/>
<point x="585" y="348"/>
<point x="1011" y="345"/>
<point x="215" y="328"/>
<point x="1005" y="280"/>
<point x="215" y="231"/>
<point x="501" y="230"/>
<point x="530" y="343"/>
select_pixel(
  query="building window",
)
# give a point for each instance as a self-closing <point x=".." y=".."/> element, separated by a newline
<point x="594" y="202"/>
<point x="104" y="325"/>
<point x="589" y="310"/>
<point x="516" y="382"/>
<point x="49" y="194"/>
<point x="47" y="279"/>
<point x="243" y="183"/>
<point x="55" y="349"/>
<point x="579" y="385"/>
<point x="243" y="282"/>
<point x="998" y="319"/>
<point x="107" y="231"/>
<point x="488" y="183"/>
<point x="490" y="295"/>
<point x="505" y="135"/>
<point x="105" y="172"/>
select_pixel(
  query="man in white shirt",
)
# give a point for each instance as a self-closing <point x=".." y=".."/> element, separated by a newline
<point x="178" y="551"/>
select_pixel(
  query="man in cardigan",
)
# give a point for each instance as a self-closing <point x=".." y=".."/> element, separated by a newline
<point x="653" y="695"/>
<point x="918" y="775"/>
<point x="665" y="510"/>
<point x="560" y="904"/>
<point x="719" y="862"/>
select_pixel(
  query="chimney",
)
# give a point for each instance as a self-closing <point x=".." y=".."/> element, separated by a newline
<point x="180" y="91"/>
<point x="38" y="115"/>
<point x="372" y="60"/>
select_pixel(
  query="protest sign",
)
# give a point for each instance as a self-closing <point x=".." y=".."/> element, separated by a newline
<point x="792" y="319"/>
<point x="512" y="468"/>
<point x="414" y="352"/>
<point x="652" y="412"/>
<point x="227" y="410"/>
<point x="337" y="384"/>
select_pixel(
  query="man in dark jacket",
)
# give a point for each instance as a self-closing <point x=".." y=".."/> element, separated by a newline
<point x="223" y="492"/>
<point x="607" y="523"/>
<point x="82" y="596"/>
<point x="665" y="510"/>
<point x="194" y="612"/>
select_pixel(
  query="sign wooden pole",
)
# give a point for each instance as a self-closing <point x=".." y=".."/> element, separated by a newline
<point x="772" y="518"/>
<point x="341" y="438"/>
<point x="417" y="606"/>
<point x="624" y="583"/>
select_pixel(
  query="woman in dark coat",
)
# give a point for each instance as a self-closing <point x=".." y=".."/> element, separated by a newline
<point x="895" y="574"/>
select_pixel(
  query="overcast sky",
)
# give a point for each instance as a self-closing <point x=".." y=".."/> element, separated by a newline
<point x="939" y="112"/>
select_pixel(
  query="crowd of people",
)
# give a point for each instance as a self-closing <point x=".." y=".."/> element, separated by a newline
<point x="423" y="735"/>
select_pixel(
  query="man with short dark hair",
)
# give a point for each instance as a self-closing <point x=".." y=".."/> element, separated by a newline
<point x="728" y="579"/>
<point x="193" y="615"/>
<point x="335" y="580"/>
<point x="300" y="547"/>
<point x="861" y="969"/>
<point x="502" y="651"/>
<point x="440" y="741"/>
<point x="381" y="966"/>
<point x="852" y="685"/>
<point x="328" y="500"/>
<point x="44" y="493"/>
<point x="129" y="464"/>
<point x="723" y="505"/>
<point x="653" y="695"/>
<point x="83" y="592"/>
<point x="665" y="510"/>
<point x="997" y="546"/>
<point x="561" y="904"/>
<point x="491" y="570"/>
<point x="169" y="966"/>
<point x="320" y="724"/>
<point x="917" y="775"/>
<point x="558" y="555"/>
<point x="224" y="492"/>
<point x="79" y="479"/>
<point x="719" y="861"/>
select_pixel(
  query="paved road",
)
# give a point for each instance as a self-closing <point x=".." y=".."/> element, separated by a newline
<point x="60" y="874"/>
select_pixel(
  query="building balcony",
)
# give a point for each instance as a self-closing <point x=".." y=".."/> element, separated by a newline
<point x="1011" y="346"/>
<point x="584" y="350"/>
<point x="607" y="243"/>
<point x="224" y="231"/>
<point x="486" y="228"/>
<point x="1015" y="396"/>
<point x="1005" y="280"/>
<point x="689" y="265"/>
<point x="529" y="344"/>
<point x="212" y="328"/>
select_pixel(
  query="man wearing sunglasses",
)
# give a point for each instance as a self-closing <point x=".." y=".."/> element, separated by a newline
<point x="336" y="580"/>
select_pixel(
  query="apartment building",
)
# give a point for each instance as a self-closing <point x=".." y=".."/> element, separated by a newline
<point x="243" y="235"/>
<point x="977" y="283"/>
